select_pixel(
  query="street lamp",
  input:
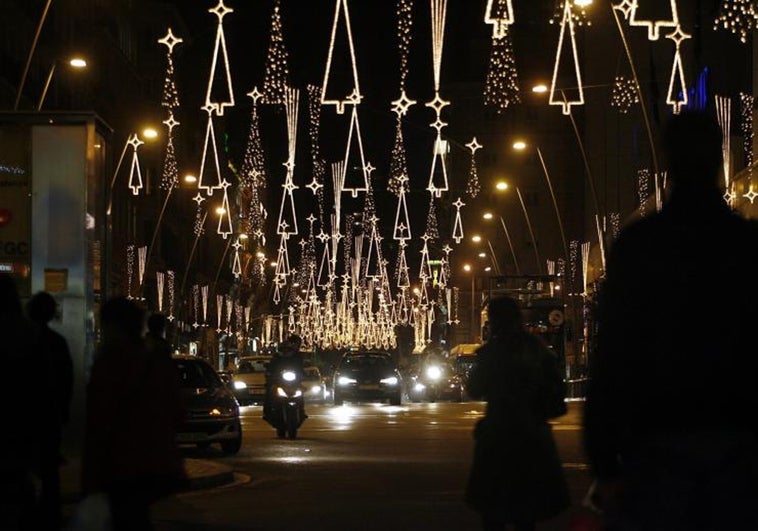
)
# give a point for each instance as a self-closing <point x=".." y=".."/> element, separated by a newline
<point x="488" y="216"/>
<point x="76" y="63"/>
<point x="502" y="186"/>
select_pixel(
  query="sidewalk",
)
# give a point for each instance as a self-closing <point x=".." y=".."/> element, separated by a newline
<point x="201" y="474"/>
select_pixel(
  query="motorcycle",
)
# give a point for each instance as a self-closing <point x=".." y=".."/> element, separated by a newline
<point x="287" y="405"/>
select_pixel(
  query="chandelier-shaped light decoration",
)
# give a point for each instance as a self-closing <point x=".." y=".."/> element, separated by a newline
<point x="160" y="282"/>
<point x="141" y="262"/>
<point x="276" y="79"/>
<point x="738" y="16"/>
<point x="458" y="225"/>
<point x="351" y="96"/>
<point x="653" y="26"/>
<point x="575" y="75"/>
<point x="219" y="93"/>
<point x="204" y="301"/>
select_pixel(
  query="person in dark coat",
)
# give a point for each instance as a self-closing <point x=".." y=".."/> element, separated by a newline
<point x="41" y="310"/>
<point x="155" y="339"/>
<point x="516" y="476"/>
<point x="133" y="409"/>
<point x="25" y="433"/>
<point x="670" y="418"/>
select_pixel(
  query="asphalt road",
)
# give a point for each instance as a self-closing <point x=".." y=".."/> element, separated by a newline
<point x="357" y="467"/>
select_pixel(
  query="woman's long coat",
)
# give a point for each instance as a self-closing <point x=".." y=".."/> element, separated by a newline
<point x="516" y="472"/>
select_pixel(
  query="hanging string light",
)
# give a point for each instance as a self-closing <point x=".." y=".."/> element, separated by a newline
<point x="501" y="88"/>
<point x="578" y="12"/>
<point x="219" y="93"/>
<point x="740" y="17"/>
<point x="276" y="79"/>
<point x="747" y="107"/>
<point x="624" y="94"/>
<point x="643" y="189"/>
<point x="170" y="275"/>
<point x="472" y="185"/>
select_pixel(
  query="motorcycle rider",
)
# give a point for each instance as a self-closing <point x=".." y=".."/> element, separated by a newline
<point x="286" y="358"/>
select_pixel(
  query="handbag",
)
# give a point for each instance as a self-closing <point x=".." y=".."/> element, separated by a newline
<point x="92" y="513"/>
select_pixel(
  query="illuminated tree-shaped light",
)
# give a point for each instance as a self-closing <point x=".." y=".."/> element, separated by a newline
<point x="724" y="117"/>
<point x="398" y="160"/>
<point x="402" y="230"/>
<point x="253" y="169"/>
<point x="432" y="224"/>
<point x="643" y="188"/>
<point x="747" y="107"/>
<point x="653" y="26"/>
<point x="219" y="93"/>
<point x="578" y="11"/>
<point x="677" y="94"/>
<point x="472" y="186"/>
<point x="317" y="163"/>
<point x="204" y="302"/>
<point x="353" y="95"/>
<point x="458" y="225"/>
<point x="624" y="94"/>
<point x="402" y="272"/>
<point x="170" y="276"/>
<point x="276" y="79"/>
<point x="135" y="173"/>
<point x="170" y="100"/>
<point x="355" y="177"/>
<point x="209" y="159"/>
<point x="576" y="76"/>
<point x="170" y="173"/>
<point x="500" y="14"/>
<point x="424" y="269"/>
<point x="198" y="227"/>
<point x="141" y="258"/>
<point x="374" y="254"/>
<point x="501" y="88"/>
<point x="160" y="282"/>
<point x="738" y="16"/>
<point x="225" y="216"/>
<point x="438" y="180"/>
<point x="236" y="262"/>
<point x="129" y="269"/>
<point x="287" y="211"/>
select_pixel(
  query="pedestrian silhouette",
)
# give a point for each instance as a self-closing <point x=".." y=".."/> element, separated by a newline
<point x="132" y="412"/>
<point x="516" y="477"/>
<point x="155" y="339"/>
<point x="41" y="309"/>
<point x="25" y="417"/>
<point x="670" y="414"/>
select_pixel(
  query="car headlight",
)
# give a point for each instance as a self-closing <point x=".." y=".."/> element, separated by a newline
<point x="316" y="389"/>
<point x="222" y="412"/>
<point x="344" y="380"/>
<point x="419" y="387"/>
<point x="433" y="372"/>
<point x="240" y="385"/>
<point x="288" y="376"/>
<point x="392" y="380"/>
<point x="298" y="393"/>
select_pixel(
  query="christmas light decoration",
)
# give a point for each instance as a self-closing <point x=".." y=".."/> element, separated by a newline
<point x="578" y="12"/>
<point x="573" y="259"/>
<point x="276" y="80"/>
<point x="402" y="229"/>
<point x="501" y="88"/>
<point x="738" y="16"/>
<point x="219" y="312"/>
<point x="352" y="96"/>
<point x="199" y="225"/>
<point x="204" y="301"/>
<point x="287" y="221"/>
<point x="210" y="156"/>
<point x="432" y="225"/>
<point x="398" y="161"/>
<point x="472" y="186"/>
<point x="170" y="173"/>
<point x="253" y="168"/>
<point x="170" y="98"/>
<point x="217" y="97"/>
<point x="677" y="94"/>
<point x="141" y="257"/>
<point x="747" y="106"/>
<point x="643" y="188"/>
<point x="129" y="270"/>
<point x="624" y="94"/>
<point x="653" y="26"/>
<point x="195" y="304"/>
<point x="438" y="181"/>
<point x="317" y="162"/>
<point x="585" y="266"/>
<point x="458" y="224"/>
<point x="350" y="181"/>
<point x="170" y="277"/>
<point x="567" y="23"/>
<point x="615" y="223"/>
<point x="724" y="117"/>
<point x="160" y="279"/>
<point x="404" y="36"/>
<point x="224" y="227"/>
<point x="135" y="173"/>
<point x="500" y="14"/>
<point x="236" y="262"/>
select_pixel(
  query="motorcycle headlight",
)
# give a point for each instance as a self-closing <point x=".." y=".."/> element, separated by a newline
<point x="344" y="380"/>
<point x="240" y="385"/>
<point x="392" y="380"/>
<point x="433" y="372"/>
<point x="288" y="376"/>
<point x="281" y="392"/>
<point x="298" y="393"/>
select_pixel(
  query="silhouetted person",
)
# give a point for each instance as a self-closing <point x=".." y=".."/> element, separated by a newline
<point x="133" y="410"/>
<point x="41" y="310"/>
<point x="25" y="423"/>
<point x="516" y="477"/>
<point x="670" y="417"/>
<point x="155" y="339"/>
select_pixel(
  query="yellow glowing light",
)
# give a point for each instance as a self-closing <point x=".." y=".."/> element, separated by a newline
<point x="487" y="215"/>
<point x="189" y="178"/>
<point x="476" y="238"/>
<point x="220" y="211"/>
<point x="78" y="62"/>
<point x="466" y="267"/>
<point x="540" y="88"/>
<point x="260" y="254"/>
<point x="520" y="145"/>
<point x="272" y="264"/>
<point x="149" y="133"/>
<point x="482" y="255"/>
<point x="243" y="236"/>
<point x="582" y="3"/>
<point x="502" y="186"/>
<point x="488" y="269"/>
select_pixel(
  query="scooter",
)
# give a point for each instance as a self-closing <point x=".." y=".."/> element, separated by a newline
<point x="287" y="405"/>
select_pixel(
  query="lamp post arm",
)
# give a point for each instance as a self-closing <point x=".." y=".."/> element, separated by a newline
<point x="47" y="86"/>
<point x="157" y="227"/>
<point x="494" y="257"/>
<point x="113" y="179"/>
<point x="555" y="206"/>
<point x="531" y="231"/>
<point x="192" y="254"/>
<point x="32" y="49"/>
<point x="510" y="245"/>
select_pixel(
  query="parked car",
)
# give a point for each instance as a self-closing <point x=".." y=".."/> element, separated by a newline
<point x="211" y="412"/>
<point x="369" y="375"/>
<point x="314" y="386"/>
<point x="249" y="379"/>
<point x="433" y="381"/>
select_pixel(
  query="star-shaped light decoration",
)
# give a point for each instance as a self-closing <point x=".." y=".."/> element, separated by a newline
<point x="315" y="186"/>
<point x="437" y="104"/>
<point x="170" y="40"/>
<point x="625" y="7"/>
<point x="474" y="146"/>
<point x="220" y="10"/>
<point x="255" y="94"/>
<point x="751" y="194"/>
<point x="401" y="105"/>
<point x="171" y="122"/>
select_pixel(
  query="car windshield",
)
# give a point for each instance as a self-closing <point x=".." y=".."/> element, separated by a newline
<point x="195" y="374"/>
<point x="251" y="366"/>
<point x="368" y="360"/>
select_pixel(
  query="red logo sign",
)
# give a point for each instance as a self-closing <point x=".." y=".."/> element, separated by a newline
<point x="5" y="216"/>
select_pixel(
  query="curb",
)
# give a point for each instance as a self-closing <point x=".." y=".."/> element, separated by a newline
<point x="203" y="474"/>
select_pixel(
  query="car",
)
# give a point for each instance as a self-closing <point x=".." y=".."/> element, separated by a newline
<point x="249" y="379"/>
<point x="367" y="376"/>
<point x="212" y="414"/>
<point x="434" y="380"/>
<point x="314" y="386"/>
